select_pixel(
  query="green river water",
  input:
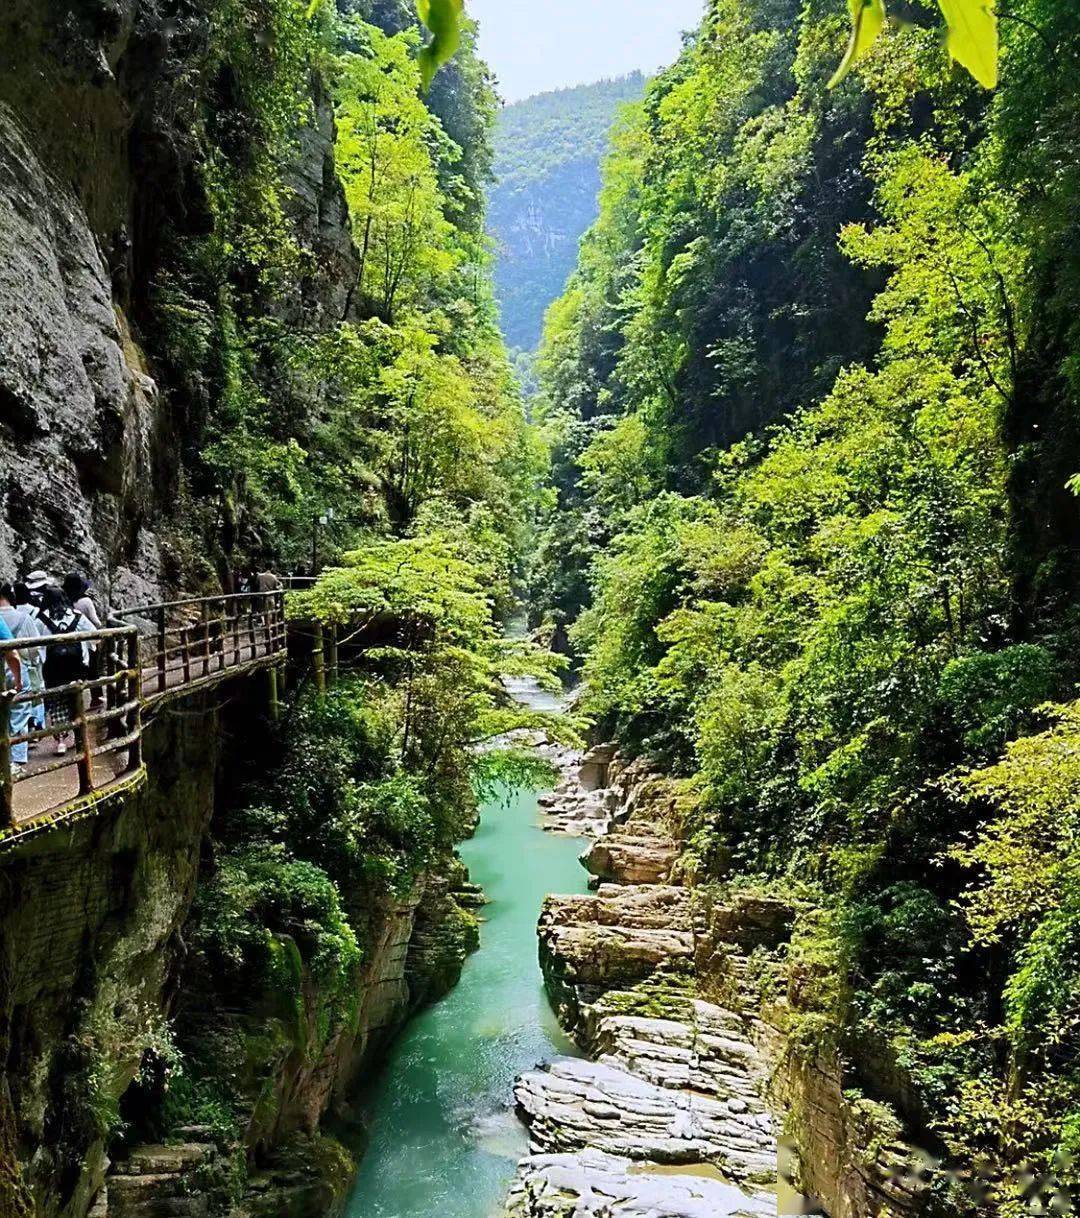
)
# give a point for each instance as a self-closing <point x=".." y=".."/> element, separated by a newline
<point x="444" y="1138"/>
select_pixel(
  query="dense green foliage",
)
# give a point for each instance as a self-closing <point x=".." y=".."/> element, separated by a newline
<point x="812" y="398"/>
<point x="330" y="323"/>
<point x="422" y="611"/>
<point x="548" y="151"/>
<point x="352" y="375"/>
<point x="343" y="823"/>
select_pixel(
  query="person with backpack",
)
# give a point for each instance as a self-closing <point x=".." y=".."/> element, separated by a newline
<point x="37" y="582"/>
<point x="64" y="662"/>
<point x="77" y="590"/>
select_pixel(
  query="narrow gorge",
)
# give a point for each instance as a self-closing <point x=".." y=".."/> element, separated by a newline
<point x="543" y="637"/>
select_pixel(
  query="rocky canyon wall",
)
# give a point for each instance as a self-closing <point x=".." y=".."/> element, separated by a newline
<point x="99" y="983"/>
<point x="83" y="427"/>
<point x="101" y="107"/>
<point x="687" y="1001"/>
<point x="90" y="942"/>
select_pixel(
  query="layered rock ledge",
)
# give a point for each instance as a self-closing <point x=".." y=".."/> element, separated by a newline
<point x="665" y="1118"/>
<point x="670" y="1116"/>
<point x="593" y="1184"/>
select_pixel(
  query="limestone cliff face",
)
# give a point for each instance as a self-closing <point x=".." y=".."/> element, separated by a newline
<point x="99" y="157"/>
<point x="77" y="410"/>
<point x="81" y="420"/>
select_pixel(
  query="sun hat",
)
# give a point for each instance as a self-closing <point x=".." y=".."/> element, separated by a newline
<point x="37" y="579"/>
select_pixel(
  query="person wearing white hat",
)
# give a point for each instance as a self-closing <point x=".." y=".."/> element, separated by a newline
<point x="36" y="583"/>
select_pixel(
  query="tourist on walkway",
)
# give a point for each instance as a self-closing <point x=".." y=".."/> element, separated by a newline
<point x="24" y="602"/>
<point x="64" y="662"/>
<point x="14" y="680"/>
<point x="77" y="590"/>
<point x="37" y="582"/>
<point x="22" y="626"/>
<point x="268" y="581"/>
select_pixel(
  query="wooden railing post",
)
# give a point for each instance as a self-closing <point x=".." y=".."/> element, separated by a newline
<point x="253" y="641"/>
<point x="235" y="603"/>
<point x="318" y="656"/>
<point x="221" y="628"/>
<point x="84" y="744"/>
<point x="111" y="661"/>
<point x="162" y="651"/>
<point x="205" y="610"/>
<point x="185" y="652"/>
<point x="134" y="692"/>
<point x="7" y="797"/>
<point x="333" y="654"/>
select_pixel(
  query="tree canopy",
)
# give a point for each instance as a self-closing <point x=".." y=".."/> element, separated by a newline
<point x="811" y="399"/>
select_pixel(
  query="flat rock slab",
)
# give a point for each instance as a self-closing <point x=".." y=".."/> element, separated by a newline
<point x="631" y="860"/>
<point x="661" y="906"/>
<point x="575" y="1105"/>
<point x="592" y="1184"/>
<point x="710" y="1054"/>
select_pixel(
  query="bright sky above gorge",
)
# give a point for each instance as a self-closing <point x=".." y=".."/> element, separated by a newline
<point x="535" y="47"/>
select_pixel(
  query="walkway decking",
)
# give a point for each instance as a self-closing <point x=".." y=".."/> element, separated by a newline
<point x="159" y="653"/>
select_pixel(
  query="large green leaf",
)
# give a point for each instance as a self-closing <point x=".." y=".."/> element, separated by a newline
<point x="867" y="22"/>
<point x="973" y="37"/>
<point x="443" y="19"/>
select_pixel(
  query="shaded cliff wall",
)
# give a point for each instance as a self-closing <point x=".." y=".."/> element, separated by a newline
<point x="284" y="1069"/>
<point x="97" y="983"/>
<point x="90" y="922"/>
<point x="77" y="410"/>
<point x="102" y="108"/>
<point x="82" y="86"/>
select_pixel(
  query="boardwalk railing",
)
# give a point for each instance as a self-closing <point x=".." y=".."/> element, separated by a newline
<point x="192" y="642"/>
<point x="148" y="652"/>
<point x="103" y="712"/>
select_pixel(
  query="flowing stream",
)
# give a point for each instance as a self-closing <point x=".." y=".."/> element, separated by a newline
<point x="445" y="1140"/>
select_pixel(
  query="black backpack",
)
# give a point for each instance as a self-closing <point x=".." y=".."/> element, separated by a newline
<point x="66" y="653"/>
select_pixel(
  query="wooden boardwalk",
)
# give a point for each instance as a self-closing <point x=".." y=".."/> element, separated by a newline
<point x="41" y="792"/>
<point x="156" y="654"/>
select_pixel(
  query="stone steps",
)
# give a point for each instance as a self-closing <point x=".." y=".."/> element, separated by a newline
<point x="156" y="1182"/>
<point x="173" y="1159"/>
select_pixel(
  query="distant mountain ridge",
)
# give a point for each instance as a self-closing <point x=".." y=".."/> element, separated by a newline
<point x="548" y="151"/>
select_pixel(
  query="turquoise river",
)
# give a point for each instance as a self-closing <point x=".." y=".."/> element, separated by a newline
<point x="444" y="1138"/>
